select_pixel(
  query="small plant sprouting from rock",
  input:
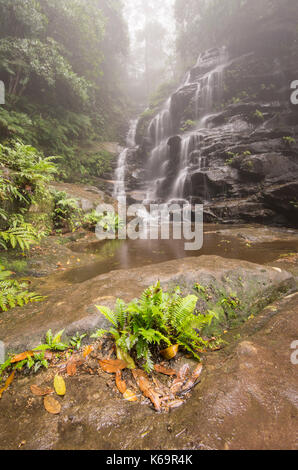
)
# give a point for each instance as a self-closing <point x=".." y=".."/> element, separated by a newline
<point x="288" y="140"/>
<point x="154" y="321"/>
<point x="259" y="115"/>
<point x="38" y="357"/>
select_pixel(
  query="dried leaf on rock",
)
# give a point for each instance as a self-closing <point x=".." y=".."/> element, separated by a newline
<point x="170" y="352"/>
<point x="193" y="379"/>
<point x="59" y="385"/>
<point x="181" y="379"/>
<point x="129" y="395"/>
<point x="163" y="370"/>
<point x="87" y="351"/>
<point x="71" y="368"/>
<point x="121" y="385"/>
<point x="146" y="388"/>
<point x="41" y="391"/>
<point x="7" y="383"/>
<point x="21" y="357"/>
<point x="111" y="366"/>
<point x="175" y="404"/>
<point x="51" y="405"/>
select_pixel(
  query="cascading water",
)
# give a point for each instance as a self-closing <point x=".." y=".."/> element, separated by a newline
<point x="159" y="131"/>
<point x="188" y="144"/>
<point x="208" y="76"/>
<point x="120" y="173"/>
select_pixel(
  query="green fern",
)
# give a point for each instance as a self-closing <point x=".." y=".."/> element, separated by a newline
<point x="156" y="320"/>
<point x="14" y="294"/>
<point x="22" y="236"/>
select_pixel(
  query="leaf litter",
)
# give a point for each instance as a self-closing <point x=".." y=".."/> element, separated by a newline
<point x="165" y="389"/>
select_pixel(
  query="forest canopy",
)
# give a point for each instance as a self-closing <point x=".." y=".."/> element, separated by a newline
<point x="62" y="59"/>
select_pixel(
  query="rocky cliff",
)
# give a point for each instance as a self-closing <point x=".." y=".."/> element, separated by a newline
<point x="227" y="137"/>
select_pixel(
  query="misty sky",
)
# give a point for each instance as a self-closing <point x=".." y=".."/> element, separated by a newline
<point x="161" y="10"/>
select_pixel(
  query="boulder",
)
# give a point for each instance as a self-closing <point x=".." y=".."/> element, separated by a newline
<point x="246" y="400"/>
<point x="22" y="329"/>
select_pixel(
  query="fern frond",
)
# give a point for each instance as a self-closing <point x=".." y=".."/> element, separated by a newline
<point x="109" y="314"/>
<point x="121" y="313"/>
<point x="182" y="310"/>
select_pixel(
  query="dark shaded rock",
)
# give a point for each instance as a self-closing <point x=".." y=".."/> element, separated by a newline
<point x="175" y="145"/>
<point x="180" y="101"/>
<point x="269" y="165"/>
<point x="238" y="210"/>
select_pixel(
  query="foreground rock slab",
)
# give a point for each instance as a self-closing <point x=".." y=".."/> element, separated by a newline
<point x="247" y="400"/>
<point x="73" y="307"/>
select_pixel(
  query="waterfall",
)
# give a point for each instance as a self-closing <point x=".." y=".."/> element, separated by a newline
<point x="209" y="89"/>
<point x="119" y="186"/>
<point x="210" y="86"/>
<point x="164" y="182"/>
<point x="188" y="144"/>
<point x="120" y="173"/>
<point x="131" y="136"/>
<point x="160" y="126"/>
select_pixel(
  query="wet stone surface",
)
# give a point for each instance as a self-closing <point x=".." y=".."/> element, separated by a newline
<point x="247" y="399"/>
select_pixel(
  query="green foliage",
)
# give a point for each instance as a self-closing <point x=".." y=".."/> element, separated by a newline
<point x="53" y="342"/>
<point x="156" y="320"/>
<point x="91" y="220"/>
<point x="35" y="362"/>
<point x="259" y="115"/>
<point x="111" y="222"/>
<point x="76" y="341"/>
<point x="234" y="156"/>
<point x="19" y="236"/>
<point x="188" y="125"/>
<point x="24" y="179"/>
<point x="230" y="160"/>
<point x="289" y="140"/>
<point x="28" y="174"/>
<point x="66" y="212"/>
<point x="63" y="65"/>
<point x="13" y="293"/>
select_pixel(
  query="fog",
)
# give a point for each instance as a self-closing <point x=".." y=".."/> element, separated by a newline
<point x="151" y="29"/>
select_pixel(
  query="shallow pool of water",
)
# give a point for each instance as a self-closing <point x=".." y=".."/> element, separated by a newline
<point x="115" y="254"/>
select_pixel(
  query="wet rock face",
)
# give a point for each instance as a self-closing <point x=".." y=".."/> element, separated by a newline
<point x="22" y="329"/>
<point x="246" y="400"/>
<point x="246" y="136"/>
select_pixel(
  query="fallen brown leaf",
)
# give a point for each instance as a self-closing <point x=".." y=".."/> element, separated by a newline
<point x="41" y="391"/>
<point x="170" y="352"/>
<point x="129" y="395"/>
<point x="193" y="379"/>
<point x="71" y="368"/>
<point x="175" y="404"/>
<point x="51" y="405"/>
<point x="121" y="385"/>
<point x="146" y="388"/>
<point x="180" y="379"/>
<point x="111" y="366"/>
<point x="163" y="370"/>
<point x="7" y="383"/>
<point x="22" y="357"/>
<point x="87" y="351"/>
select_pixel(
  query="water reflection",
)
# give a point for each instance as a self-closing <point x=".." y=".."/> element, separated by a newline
<point x="126" y="254"/>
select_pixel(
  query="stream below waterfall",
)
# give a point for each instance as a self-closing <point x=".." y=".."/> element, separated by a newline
<point x="255" y="244"/>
